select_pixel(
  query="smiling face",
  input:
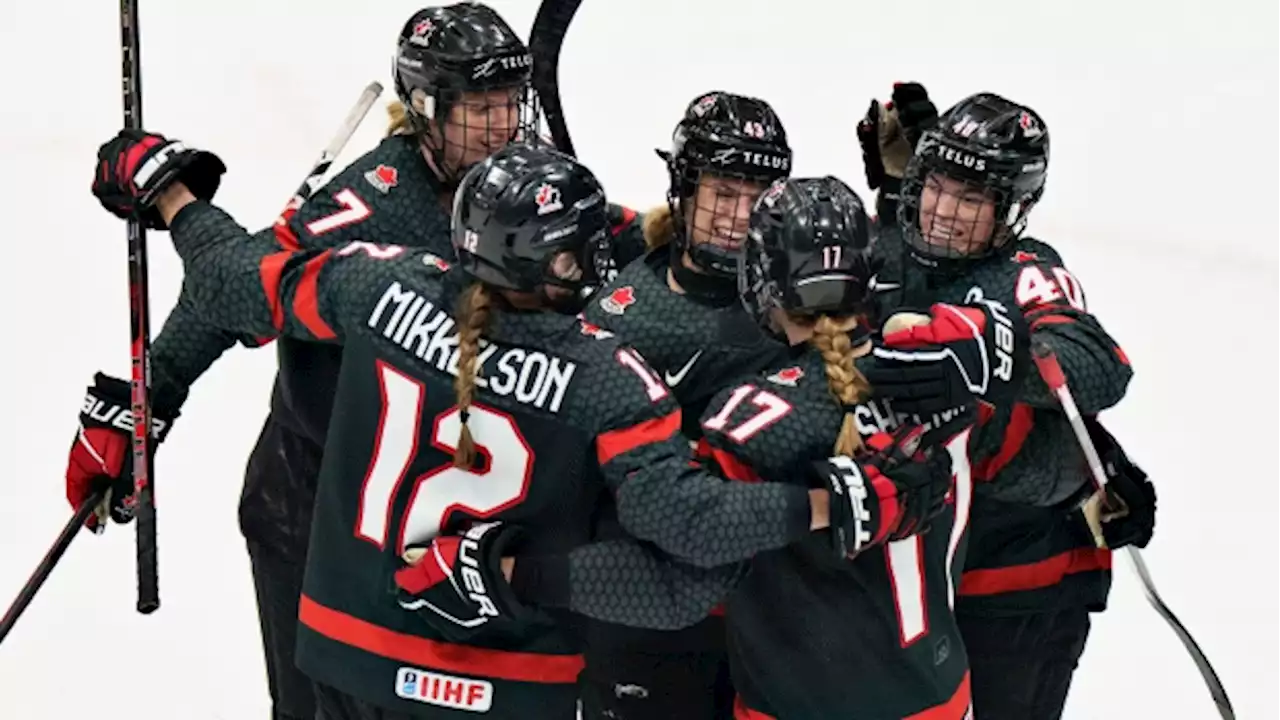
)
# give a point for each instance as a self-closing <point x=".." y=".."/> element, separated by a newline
<point x="479" y="124"/>
<point x="721" y="211"/>
<point x="957" y="218"/>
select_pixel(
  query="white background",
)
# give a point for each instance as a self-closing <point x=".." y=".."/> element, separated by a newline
<point x="1162" y="199"/>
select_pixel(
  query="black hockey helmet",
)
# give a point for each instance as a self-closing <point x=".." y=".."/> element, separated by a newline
<point x="446" y="51"/>
<point x="517" y="211"/>
<point x="808" y="251"/>
<point x="736" y="140"/>
<point x="973" y="180"/>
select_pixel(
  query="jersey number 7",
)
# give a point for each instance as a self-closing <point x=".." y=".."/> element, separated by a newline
<point x="501" y="483"/>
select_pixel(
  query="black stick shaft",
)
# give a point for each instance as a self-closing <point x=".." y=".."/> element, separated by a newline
<point x="140" y="329"/>
<point x="51" y="558"/>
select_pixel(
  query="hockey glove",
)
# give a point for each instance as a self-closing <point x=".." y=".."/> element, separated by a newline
<point x="888" y="494"/>
<point x="926" y="364"/>
<point x="1124" y="513"/>
<point x="868" y="132"/>
<point x="101" y="454"/>
<point x="916" y="112"/>
<point x="134" y="167"/>
<point x="456" y="584"/>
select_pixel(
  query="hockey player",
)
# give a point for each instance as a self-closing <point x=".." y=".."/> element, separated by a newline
<point x="531" y="426"/>
<point x="1034" y="572"/>
<point x="449" y="116"/>
<point x="679" y="307"/>
<point x="811" y="634"/>
<point x="855" y="622"/>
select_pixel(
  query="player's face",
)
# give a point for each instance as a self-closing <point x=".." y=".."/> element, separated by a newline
<point x="956" y="217"/>
<point x="721" y="211"/>
<point x="479" y="124"/>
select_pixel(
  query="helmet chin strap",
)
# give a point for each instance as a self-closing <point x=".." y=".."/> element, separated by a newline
<point x="715" y="290"/>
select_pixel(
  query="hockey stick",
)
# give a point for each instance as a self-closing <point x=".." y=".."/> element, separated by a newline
<point x="140" y="327"/>
<point x="315" y="177"/>
<point x="545" y="42"/>
<point x="51" y="558"/>
<point x="1047" y="363"/>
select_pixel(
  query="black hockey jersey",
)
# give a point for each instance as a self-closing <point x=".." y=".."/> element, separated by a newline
<point x="697" y="347"/>
<point x="388" y="195"/>
<point x="812" y="636"/>
<point x="1027" y="551"/>
<point x="562" y="416"/>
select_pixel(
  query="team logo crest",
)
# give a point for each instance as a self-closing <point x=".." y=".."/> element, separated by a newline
<point x="548" y="199"/>
<point x="595" y="331"/>
<point x="1030" y="126"/>
<point x="704" y="104"/>
<point x="383" y="178"/>
<point x="435" y="261"/>
<point x="617" y="302"/>
<point x="787" y="376"/>
<point x="422" y="33"/>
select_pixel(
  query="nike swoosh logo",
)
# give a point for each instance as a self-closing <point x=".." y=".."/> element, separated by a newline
<point x="875" y="285"/>
<point x="674" y="379"/>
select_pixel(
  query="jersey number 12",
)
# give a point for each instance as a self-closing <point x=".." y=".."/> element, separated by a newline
<point x="500" y="483"/>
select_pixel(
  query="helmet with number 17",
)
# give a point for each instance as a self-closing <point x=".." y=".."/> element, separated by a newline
<point x="807" y="252"/>
<point x="973" y="181"/>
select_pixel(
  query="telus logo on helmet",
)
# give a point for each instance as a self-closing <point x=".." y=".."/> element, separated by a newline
<point x="728" y="156"/>
<point x="493" y="65"/>
<point x="963" y="159"/>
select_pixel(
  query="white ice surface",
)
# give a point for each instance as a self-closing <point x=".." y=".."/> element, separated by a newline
<point x="1162" y="199"/>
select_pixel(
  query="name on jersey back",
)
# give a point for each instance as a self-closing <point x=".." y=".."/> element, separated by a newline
<point x="415" y="324"/>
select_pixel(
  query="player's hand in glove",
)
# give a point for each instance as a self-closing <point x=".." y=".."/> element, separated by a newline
<point x="135" y="167"/>
<point x="456" y="582"/>
<point x="916" y="112"/>
<point x="888" y="135"/>
<point x="890" y="492"/>
<point x="101" y="454"/>
<point x="1124" y="513"/>
<point x="926" y="364"/>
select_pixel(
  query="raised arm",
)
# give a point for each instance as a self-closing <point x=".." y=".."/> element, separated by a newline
<point x="665" y="496"/>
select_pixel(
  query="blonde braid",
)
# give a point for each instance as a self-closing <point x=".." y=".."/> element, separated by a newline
<point x="473" y="317"/>
<point x="831" y="338"/>
<point x="658" y="227"/>
<point x="398" y="119"/>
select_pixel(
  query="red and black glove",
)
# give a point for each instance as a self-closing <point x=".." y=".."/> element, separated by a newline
<point x="892" y="491"/>
<point x="456" y="584"/>
<point x="102" y="455"/>
<point x="134" y="167"/>
<point x="926" y="364"/>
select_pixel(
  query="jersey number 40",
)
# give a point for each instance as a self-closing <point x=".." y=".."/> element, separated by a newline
<point x="501" y="483"/>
